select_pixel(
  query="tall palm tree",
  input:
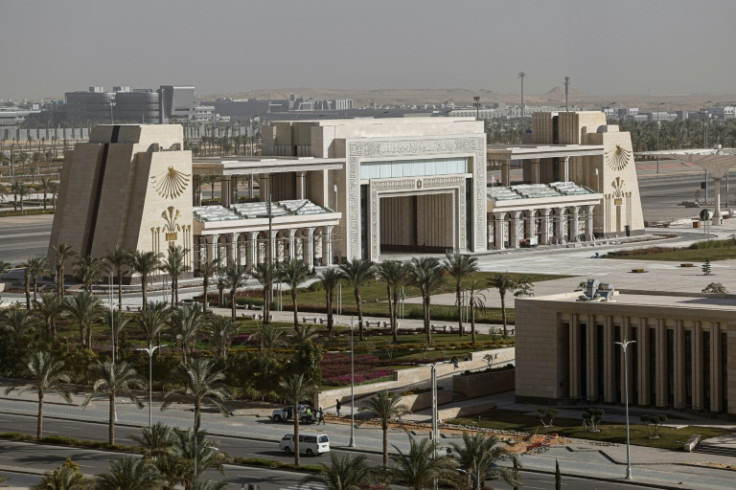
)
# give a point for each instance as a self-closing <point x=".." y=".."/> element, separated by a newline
<point x="418" y="468"/>
<point x="152" y="320"/>
<point x="293" y="273"/>
<point x="19" y="190"/>
<point x="27" y="283"/>
<point x="330" y="281"/>
<point x="49" y="308"/>
<point x="89" y="270"/>
<point x="35" y="266"/>
<point x="118" y="260"/>
<point x="478" y="455"/>
<point x="477" y="303"/>
<point x="44" y="373"/>
<point x="222" y="331"/>
<point x="384" y="407"/>
<point x="174" y="265"/>
<point x="44" y="186"/>
<point x="185" y="324"/>
<point x="265" y="274"/>
<point x="358" y="272"/>
<point x="129" y="473"/>
<point x="63" y="253"/>
<point x="208" y="268"/>
<point x="343" y="473"/>
<point x="85" y="309"/>
<point x="234" y="278"/>
<point x="394" y="274"/>
<point x="270" y="337"/>
<point x="201" y="382"/>
<point x="113" y="379"/>
<point x="426" y="275"/>
<point x="294" y="390"/>
<point x="117" y="321"/>
<point x="504" y="283"/>
<point x="460" y="267"/>
<point x="144" y="263"/>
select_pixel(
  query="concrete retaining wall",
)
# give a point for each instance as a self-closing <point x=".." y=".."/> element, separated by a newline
<point x="483" y="384"/>
<point x="424" y="400"/>
<point x="466" y="411"/>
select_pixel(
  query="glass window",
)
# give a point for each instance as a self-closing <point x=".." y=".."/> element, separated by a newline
<point x="413" y="168"/>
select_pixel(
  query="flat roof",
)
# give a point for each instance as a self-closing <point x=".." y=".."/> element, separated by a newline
<point x="225" y="166"/>
<point x="649" y="298"/>
<point x="528" y="152"/>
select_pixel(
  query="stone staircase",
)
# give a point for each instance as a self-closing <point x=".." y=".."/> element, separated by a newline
<point x="717" y="449"/>
<point x="459" y="397"/>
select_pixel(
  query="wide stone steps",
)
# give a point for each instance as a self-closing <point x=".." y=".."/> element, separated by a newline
<point x="705" y="448"/>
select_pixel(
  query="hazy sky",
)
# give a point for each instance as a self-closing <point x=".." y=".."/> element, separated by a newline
<point x="612" y="47"/>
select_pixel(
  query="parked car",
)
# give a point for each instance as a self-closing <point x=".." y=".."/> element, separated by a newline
<point x="306" y="414"/>
<point x="309" y="444"/>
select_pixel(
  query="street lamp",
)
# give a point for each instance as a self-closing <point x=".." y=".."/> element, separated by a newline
<point x="352" y="386"/>
<point x="624" y="346"/>
<point x="150" y="350"/>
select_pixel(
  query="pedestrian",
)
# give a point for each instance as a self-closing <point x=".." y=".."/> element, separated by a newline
<point x="337" y="406"/>
<point x="455" y="362"/>
<point x="320" y="416"/>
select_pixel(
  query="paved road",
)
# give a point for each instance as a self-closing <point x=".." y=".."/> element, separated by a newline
<point x="24" y="236"/>
<point x="661" y="195"/>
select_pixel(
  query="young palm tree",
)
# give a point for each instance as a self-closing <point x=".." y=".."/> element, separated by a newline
<point x="460" y="267"/>
<point x="118" y="260"/>
<point x="117" y="321"/>
<point x="294" y="390"/>
<point x="203" y="383"/>
<point x="265" y="274"/>
<point x="358" y="272"/>
<point x="394" y="274"/>
<point x="35" y="266"/>
<point x="330" y="281"/>
<point x="185" y="324"/>
<point x="64" y="253"/>
<point x="144" y="263"/>
<point x="153" y="320"/>
<point x="476" y="302"/>
<point x="27" y="284"/>
<point x="384" y="407"/>
<point x="4" y="268"/>
<point x="89" y="270"/>
<point x="270" y="337"/>
<point x="44" y="373"/>
<point x="174" y="266"/>
<point x="16" y="321"/>
<point x="479" y="455"/>
<point x="19" y="190"/>
<point x="346" y="473"/>
<point x="418" y="468"/>
<point x="85" y="309"/>
<point x="44" y="186"/>
<point x="234" y="278"/>
<point x="504" y="283"/>
<point x="304" y="334"/>
<point x="113" y="379"/>
<point x="293" y="273"/>
<point x="65" y="477"/>
<point x="156" y="441"/>
<point x="222" y="331"/>
<point x="208" y="268"/>
<point x="177" y="467"/>
<point x="48" y="308"/>
<point x="426" y="274"/>
<point x="129" y="473"/>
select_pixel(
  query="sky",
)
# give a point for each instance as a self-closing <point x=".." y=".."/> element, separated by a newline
<point x="621" y="47"/>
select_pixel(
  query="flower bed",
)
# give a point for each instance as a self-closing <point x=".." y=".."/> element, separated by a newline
<point x="336" y="368"/>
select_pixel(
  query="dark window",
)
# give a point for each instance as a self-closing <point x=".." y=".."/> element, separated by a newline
<point x="706" y="370"/>
<point x="724" y="372"/>
<point x="617" y="365"/>
<point x="652" y="363"/>
<point x="689" y="368"/>
<point x="670" y="368"/>
<point x="600" y="379"/>
<point x="633" y="359"/>
<point x="583" y="356"/>
<point x="364" y="221"/>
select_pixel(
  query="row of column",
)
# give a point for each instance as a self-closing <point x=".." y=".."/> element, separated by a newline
<point x="229" y="188"/>
<point x="562" y="227"/>
<point x="535" y="170"/>
<point x="670" y="381"/>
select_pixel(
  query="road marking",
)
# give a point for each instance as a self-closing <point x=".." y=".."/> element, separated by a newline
<point x="309" y="486"/>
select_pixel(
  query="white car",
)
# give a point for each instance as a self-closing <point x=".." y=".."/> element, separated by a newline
<point x="309" y="444"/>
<point x="285" y="413"/>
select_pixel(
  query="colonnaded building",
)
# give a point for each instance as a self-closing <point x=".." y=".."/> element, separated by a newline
<point x="683" y="357"/>
<point x="329" y="190"/>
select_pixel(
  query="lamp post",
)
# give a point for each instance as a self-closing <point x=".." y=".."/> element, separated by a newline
<point x="352" y="386"/>
<point x="112" y="341"/>
<point x="624" y="347"/>
<point x="150" y="350"/>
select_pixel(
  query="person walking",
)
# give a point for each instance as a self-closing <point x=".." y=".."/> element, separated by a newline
<point x="338" y="405"/>
<point x="320" y="416"/>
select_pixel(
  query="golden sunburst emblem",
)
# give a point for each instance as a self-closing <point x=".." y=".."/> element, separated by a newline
<point x="171" y="184"/>
<point x="617" y="158"/>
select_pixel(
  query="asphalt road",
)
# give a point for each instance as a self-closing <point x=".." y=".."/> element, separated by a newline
<point x="661" y="195"/>
<point x="22" y="237"/>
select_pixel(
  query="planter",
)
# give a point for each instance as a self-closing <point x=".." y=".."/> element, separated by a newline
<point x="482" y="384"/>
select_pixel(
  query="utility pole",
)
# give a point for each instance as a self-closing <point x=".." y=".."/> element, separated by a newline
<point x="521" y="76"/>
<point x="567" y="85"/>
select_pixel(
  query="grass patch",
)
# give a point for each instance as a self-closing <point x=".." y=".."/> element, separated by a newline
<point x="70" y="441"/>
<point x="271" y="463"/>
<point x="697" y="252"/>
<point x="670" y="438"/>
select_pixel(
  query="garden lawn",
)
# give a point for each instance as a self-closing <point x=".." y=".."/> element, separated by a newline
<point x="698" y="252"/>
<point x="670" y="438"/>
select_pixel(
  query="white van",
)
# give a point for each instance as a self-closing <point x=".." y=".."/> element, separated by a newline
<point x="309" y="444"/>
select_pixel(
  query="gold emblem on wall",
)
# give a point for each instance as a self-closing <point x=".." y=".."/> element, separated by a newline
<point x="171" y="184"/>
<point x="618" y="191"/>
<point x="170" y="216"/>
<point x="618" y="158"/>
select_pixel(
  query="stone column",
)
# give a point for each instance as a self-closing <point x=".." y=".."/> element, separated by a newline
<point x="252" y="255"/>
<point x="561" y="217"/>
<point x="697" y="382"/>
<point x="506" y="173"/>
<point x="499" y="219"/>
<point x="301" y="185"/>
<point x="514" y="230"/>
<point x="213" y="252"/>
<point x="545" y="226"/>
<point x="241" y="253"/>
<point x="234" y="248"/>
<point x="272" y="244"/>
<point x="225" y="191"/>
<point x="265" y="182"/>
<point x="716" y="403"/>
<point x="309" y="254"/>
<point x="717" y="219"/>
<point x="234" y="189"/>
<point x="535" y="165"/>
<point x="531" y="224"/>
<point x="609" y="364"/>
<point x="565" y="177"/>
<point x="589" y="230"/>
<point x="592" y="358"/>
<point x="574" y="232"/>
<point x="574" y="337"/>
<point x="327" y="246"/>
<point x="197" y="194"/>
<point x="292" y="245"/>
<point x="661" y="365"/>
<point x="642" y="347"/>
<point x="679" y="367"/>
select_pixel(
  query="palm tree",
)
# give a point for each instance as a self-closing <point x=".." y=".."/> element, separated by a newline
<point x="48" y="309"/>
<point x="129" y="473"/>
<point x="476" y="302"/>
<point x="178" y="466"/>
<point x="44" y="185"/>
<point x="384" y="407"/>
<point x="208" y="268"/>
<point x="202" y="383"/>
<point x="293" y="390"/>
<point x="111" y="379"/>
<point x="118" y="260"/>
<point x="270" y="337"/>
<point x="234" y="278"/>
<point x="64" y="253"/>
<point x="156" y="441"/>
<point x="304" y="334"/>
<point x="330" y="281"/>
<point x="358" y="272"/>
<point x="27" y="283"/>
<point x="185" y="324"/>
<point x="89" y="270"/>
<point x="19" y="190"/>
<point x="144" y="263"/>
<point x="44" y="373"/>
<point x="222" y="331"/>
<point x="293" y="273"/>
<point x="152" y="320"/>
<point x="343" y="473"/>
<point x="174" y="265"/>
<point x="117" y="321"/>
<point x="394" y="274"/>
<point x="85" y="309"/>
<point x="265" y="273"/>
<point x="65" y="477"/>
<point x="16" y="321"/>
<point x="426" y="275"/>
<point x="505" y="283"/>
<point x="4" y="268"/>
<point x="479" y="455"/>
<point x="460" y="267"/>
<point x="35" y="266"/>
<point x="418" y="468"/>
